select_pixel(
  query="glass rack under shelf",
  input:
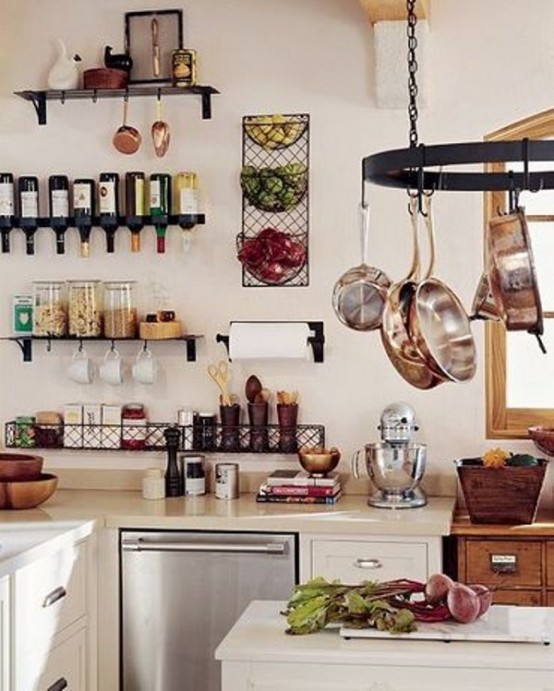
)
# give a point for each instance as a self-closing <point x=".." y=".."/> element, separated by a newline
<point x="221" y="439"/>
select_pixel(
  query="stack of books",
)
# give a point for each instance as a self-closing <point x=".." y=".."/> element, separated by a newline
<point x="298" y="487"/>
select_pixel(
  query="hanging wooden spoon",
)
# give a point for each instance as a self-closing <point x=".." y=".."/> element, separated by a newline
<point x="127" y="139"/>
<point x="160" y="131"/>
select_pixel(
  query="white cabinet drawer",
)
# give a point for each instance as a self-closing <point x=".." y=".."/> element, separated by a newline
<point x="48" y="595"/>
<point x="353" y="561"/>
<point x="66" y="666"/>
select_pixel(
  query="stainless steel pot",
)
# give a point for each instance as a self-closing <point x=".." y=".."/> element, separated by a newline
<point x="359" y="295"/>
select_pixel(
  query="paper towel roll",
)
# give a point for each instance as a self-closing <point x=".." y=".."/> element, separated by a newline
<point x="250" y="340"/>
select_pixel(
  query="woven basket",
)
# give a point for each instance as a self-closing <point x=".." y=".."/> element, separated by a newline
<point x="105" y="78"/>
<point x="501" y="495"/>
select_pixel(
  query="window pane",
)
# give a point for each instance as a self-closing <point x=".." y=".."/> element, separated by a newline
<point x="542" y="242"/>
<point x="530" y="373"/>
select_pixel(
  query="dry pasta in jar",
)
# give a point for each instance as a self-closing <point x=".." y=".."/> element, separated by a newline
<point x="85" y="308"/>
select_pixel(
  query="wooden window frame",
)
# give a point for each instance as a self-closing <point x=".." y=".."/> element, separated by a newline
<point x="503" y="422"/>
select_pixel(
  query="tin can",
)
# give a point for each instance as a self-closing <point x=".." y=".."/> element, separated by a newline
<point x="183" y="67"/>
<point x="185" y="419"/>
<point x="24" y="431"/>
<point x="193" y="474"/>
<point x="227" y="480"/>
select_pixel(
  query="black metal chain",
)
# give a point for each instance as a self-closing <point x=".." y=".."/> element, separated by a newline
<point x="412" y="70"/>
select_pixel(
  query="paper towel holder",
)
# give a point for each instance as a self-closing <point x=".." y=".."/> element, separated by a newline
<point x="316" y="339"/>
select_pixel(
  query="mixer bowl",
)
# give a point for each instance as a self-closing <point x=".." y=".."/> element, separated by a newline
<point x="395" y="469"/>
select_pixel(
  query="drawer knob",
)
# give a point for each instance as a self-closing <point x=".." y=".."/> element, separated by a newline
<point x="368" y="564"/>
<point x="503" y="563"/>
<point x="59" y="685"/>
<point x="54" y="596"/>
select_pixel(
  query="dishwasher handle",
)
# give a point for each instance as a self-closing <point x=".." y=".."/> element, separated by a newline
<point x="141" y="545"/>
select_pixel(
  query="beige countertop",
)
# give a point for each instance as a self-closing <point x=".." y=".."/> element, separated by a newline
<point x="127" y="509"/>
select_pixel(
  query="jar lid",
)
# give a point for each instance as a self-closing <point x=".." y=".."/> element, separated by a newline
<point x="133" y="406"/>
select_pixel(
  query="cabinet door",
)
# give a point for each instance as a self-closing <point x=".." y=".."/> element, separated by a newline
<point x="50" y="593"/>
<point x="66" y="666"/>
<point x="353" y="561"/>
<point x="5" y="634"/>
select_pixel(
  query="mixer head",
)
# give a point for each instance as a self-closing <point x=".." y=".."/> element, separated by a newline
<point x="398" y="423"/>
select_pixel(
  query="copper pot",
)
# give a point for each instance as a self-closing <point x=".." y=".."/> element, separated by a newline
<point x="396" y="336"/>
<point x="439" y="324"/>
<point x="511" y="272"/>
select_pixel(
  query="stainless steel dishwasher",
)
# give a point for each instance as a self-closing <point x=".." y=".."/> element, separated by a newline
<point x="182" y="591"/>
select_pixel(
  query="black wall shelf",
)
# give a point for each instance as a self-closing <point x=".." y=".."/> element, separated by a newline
<point x="39" y="97"/>
<point x="26" y="342"/>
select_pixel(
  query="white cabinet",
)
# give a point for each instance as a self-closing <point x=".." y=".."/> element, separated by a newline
<point x="53" y="615"/>
<point x="356" y="559"/>
<point x="5" y="634"/>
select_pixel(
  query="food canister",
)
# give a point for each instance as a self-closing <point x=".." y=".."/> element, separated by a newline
<point x="193" y="474"/>
<point x="85" y="308"/>
<point x="227" y="480"/>
<point x="183" y="67"/>
<point x="50" y="308"/>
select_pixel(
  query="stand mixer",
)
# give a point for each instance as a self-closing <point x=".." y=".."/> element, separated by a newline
<point x="396" y="464"/>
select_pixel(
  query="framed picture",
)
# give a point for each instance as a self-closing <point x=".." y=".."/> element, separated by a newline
<point x="150" y="37"/>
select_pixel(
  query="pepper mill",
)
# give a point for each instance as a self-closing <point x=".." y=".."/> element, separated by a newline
<point x="173" y="485"/>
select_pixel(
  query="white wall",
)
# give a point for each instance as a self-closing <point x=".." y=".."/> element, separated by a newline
<point x="489" y="64"/>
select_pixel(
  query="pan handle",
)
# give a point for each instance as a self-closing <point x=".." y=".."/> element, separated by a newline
<point x="354" y="463"/>
<point x="428" y="215"/>
<point x="364" y="227"/>
<point x="413" y="274"/>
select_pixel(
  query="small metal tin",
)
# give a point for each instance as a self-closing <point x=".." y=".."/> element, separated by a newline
<point x="227" y="480"/>
<point x="183" y="67"/>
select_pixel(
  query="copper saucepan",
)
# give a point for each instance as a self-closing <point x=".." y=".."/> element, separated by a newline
<point x="439" y="325"/>
<point x="359" y="295"/>
<point x="511" y="273"/>
<point x="395" y="329"/>
<point x="484" y="305"/>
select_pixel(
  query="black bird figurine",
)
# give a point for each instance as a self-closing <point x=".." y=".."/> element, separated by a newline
<point x="118" y="61"/>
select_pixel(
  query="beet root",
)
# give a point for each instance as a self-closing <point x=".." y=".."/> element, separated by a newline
<point x="437" y="587"/>
<point x="463" y="603"/>
<point x="484" y="595"/>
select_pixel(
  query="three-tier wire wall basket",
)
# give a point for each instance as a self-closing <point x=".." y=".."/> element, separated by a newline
<point x="273" y="244"/>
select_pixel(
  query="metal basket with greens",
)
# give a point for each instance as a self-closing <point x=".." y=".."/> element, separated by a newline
<point x="275" y="189"/>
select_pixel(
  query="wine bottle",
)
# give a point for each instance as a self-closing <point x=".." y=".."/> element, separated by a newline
<point x="108" y="194"/>
<point x="84" y="206"/>
<point x="28" y="209"/>
<point x="160" y="206"/>
<point x="58" y="197"/>
<point x="7" y="209"/>
<point x="134" y="207"/>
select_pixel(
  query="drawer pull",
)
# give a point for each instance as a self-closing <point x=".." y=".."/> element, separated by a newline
<point x="59" y="685"/>
<point x="54" y="596"/>
<point x="368" y="564"/>
<point x="503" y="563"/>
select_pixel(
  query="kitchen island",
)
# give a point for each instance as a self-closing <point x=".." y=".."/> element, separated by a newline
<point x="257" y="655"/>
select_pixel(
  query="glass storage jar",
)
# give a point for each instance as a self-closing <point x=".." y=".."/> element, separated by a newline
<point x="85" y="308"/>
<point x="120" y="314"/>
<point x="49" y="308"/>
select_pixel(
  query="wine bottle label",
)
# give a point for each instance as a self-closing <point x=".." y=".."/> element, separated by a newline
<point x="29" y="204"/>
<point x="188" y="202"/>
<point x="106" y="191"/>
<point x="82" y="197"/>
<point x="6" y="199"/>
<point x="60" y="203"/>
<point x="139" y="197"/>
<point x="155" y="194"/>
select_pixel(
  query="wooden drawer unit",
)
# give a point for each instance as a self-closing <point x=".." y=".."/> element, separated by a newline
<point x="516" y="561"/>
<point x="504" y="563"/>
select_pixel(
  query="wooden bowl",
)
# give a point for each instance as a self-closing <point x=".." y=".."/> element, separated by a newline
<point x="543" y="438"/>
<point x="26" y="494"/>
<point x="319" y="462"/>
<point x="105" y="78"/>
<point x="20" y="466"/>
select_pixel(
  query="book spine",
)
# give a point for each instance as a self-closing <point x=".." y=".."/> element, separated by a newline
<point x="271" y="498"/>
<point x="301" y="482"/>
<point x="297" y="490"/>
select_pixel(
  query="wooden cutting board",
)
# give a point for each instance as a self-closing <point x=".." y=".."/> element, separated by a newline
<point x="501" y="624"/>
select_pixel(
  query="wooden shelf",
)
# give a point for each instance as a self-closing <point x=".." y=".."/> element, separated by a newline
<point x="392" y="10"/>
<point x="39" y="98"/>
